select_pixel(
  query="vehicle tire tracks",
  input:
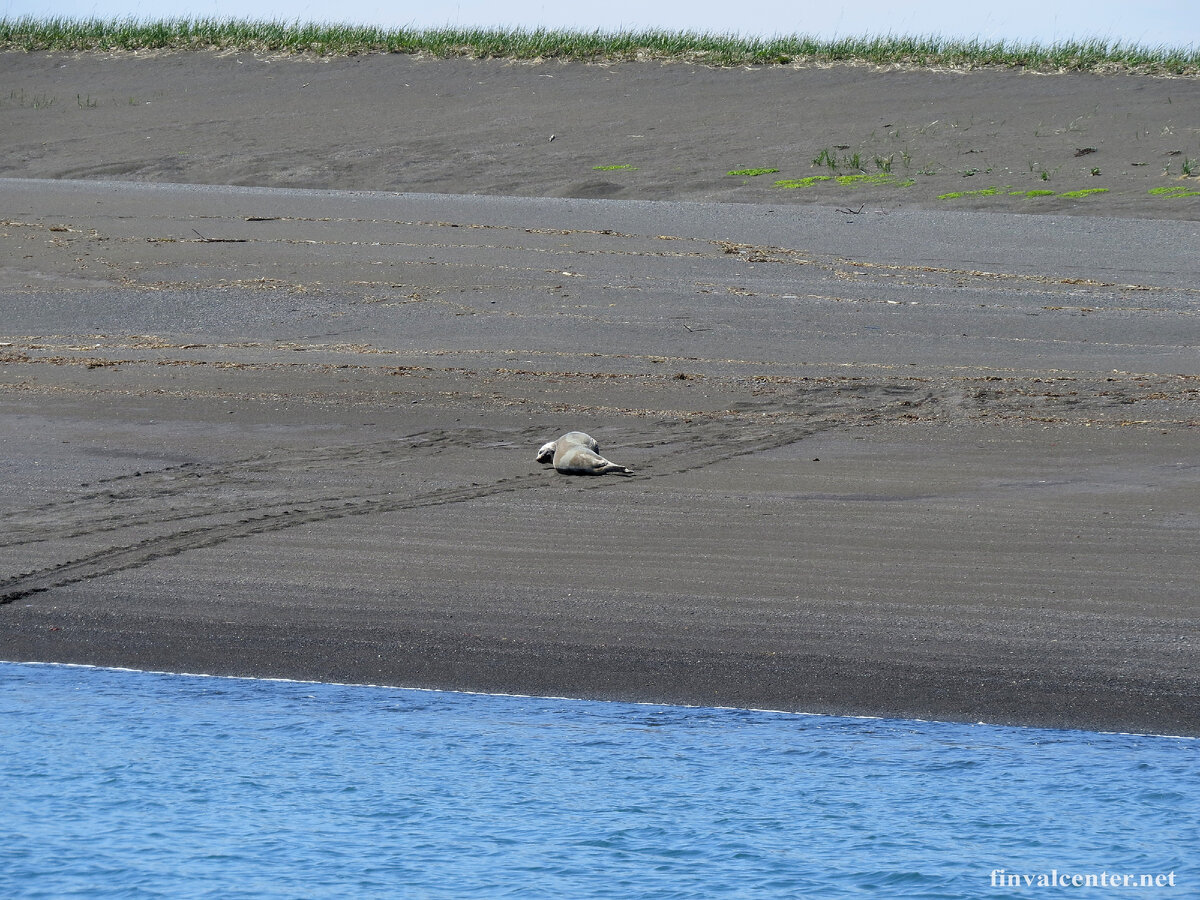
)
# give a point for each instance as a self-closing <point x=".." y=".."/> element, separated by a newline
<point x="682" y="449"/>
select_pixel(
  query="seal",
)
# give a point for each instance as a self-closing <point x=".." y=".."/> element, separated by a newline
<point x="576" y="453"/>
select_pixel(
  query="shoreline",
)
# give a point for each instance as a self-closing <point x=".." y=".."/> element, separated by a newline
<point x="889" y="459"/>
<point x="755" y="709"/>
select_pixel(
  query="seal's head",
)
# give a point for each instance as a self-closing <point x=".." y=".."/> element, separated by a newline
<point x="546" y="453"/>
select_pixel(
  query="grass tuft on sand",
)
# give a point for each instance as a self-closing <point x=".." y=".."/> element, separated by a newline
<point x="31" y="34"/>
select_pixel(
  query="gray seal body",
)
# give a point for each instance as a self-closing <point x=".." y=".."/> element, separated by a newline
<point x="576" y="453"/>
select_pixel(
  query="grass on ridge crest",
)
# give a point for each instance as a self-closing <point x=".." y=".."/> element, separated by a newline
<point x="30" y="34"/>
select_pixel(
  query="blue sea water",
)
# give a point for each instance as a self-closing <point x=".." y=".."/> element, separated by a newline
<point x="133" y="784"/>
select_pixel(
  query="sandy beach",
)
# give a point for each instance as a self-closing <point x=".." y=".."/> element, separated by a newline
<point x="279" y="339"/>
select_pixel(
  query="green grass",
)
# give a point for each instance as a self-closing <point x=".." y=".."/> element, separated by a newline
<point x="792" y="184"/>
<point x="828" y="157"/>
<point x="73" y="35"/>
<point x="614" y="168"/>
<point x="998" y="191"/>
<point x="751" y="173"/>
<point x="877" y="178"/>
<point x="36" y="101"/>
<point x="1174" y="192"/>
<point x="984" y="192"/>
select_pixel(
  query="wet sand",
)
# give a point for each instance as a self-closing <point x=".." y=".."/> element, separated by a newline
<point x="905" y="461"/>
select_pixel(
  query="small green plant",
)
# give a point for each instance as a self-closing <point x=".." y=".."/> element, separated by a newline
<point x="614" y="168"/>
<point x="793" y="183"/>
<point x="1190" y="166"/>
<point x="1173" y="192"/>
<point x="751" y="173"/>
<point x="982" y="192"/>
<point x="1042" y="172"/>
<point x="86" y="102"/>
<point x="884" y="163"/>
<point x="1095" y="170"/>
<point x="825" y="158"/>
<point x="1007" y="191"/>
<point x="37" y="101"/>
<point x="828" y="157"/>
<point x="877" y="178"/>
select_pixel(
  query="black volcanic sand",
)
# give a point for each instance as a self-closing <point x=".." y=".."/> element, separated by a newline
<point x="674" y="131"/>
<point x="916" y="462"/>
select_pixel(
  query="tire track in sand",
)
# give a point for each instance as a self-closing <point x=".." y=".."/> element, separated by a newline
<point x="681" y="449"/>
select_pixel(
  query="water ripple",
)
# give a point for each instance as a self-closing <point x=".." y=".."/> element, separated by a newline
<point x="127" y="784"/>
